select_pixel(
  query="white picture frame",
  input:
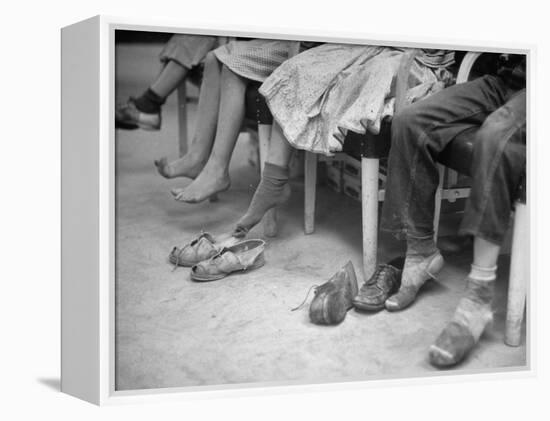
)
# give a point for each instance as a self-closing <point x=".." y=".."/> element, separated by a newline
<point x="88" y="223"/>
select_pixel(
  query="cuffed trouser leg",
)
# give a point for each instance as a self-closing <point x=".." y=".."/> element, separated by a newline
<point x="497" y="167"/>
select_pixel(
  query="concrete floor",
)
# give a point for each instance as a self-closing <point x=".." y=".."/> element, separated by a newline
<point x="173" y="332"/>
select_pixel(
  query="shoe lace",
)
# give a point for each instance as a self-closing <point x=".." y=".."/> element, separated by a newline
<point x="305" y="299"/>
<point x="379" y="274"/>
<point x="178" y="256"/>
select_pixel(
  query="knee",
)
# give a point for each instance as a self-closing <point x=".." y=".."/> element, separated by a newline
<point x="210" y="60"/>
<point x="229" y="76"/>
<point x="492" y="141"/>
<point x="488" y="140"/>
<point x="403" y="123"/>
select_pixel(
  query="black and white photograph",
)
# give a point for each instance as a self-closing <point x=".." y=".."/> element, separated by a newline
<point x="277" y="211"/>
<point x="309" y="211"/>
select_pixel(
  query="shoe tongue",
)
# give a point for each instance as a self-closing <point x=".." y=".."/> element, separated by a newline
<point x="204" y="245"/>
<point x="325" y="287"/>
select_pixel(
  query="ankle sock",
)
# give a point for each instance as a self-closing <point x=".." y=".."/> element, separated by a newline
<point x="481" y="273"/>
<point x="472" y="315"/>
<point x="272" y="191"/>
<point x="149" y="102"/>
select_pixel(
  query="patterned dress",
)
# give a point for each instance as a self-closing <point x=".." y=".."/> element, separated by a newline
<point x="320" y="94"/>
<point x="255" y="59"/>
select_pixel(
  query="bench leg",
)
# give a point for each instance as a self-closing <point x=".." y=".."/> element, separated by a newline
<point x="310" y="185"/>
<point x="369" y="205"/>
<point x="517" y="288"/>
<point x="182" y="118"/>
<point x="270" y="218"/>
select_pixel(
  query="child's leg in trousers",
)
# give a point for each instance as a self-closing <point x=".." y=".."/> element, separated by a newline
<point x="194" y="160"/>
<point x="214" y="177"/>
<point x="419" y="134"/>
<point x="498" y="164"/>
<point x="273" y="189"/>
<point x="474" y="310"/>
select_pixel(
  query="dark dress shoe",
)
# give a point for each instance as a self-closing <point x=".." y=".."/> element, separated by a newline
<point x="385" y="282"/>
<point x="334" y="298"/>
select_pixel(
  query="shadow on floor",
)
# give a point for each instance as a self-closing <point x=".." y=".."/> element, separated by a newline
<point x="53" y="383"/>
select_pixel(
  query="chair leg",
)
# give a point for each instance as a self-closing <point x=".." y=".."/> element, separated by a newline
<point x="517" y="288"/>
<point x="369" y="205"/>
<point x="310" y="186"/>
<point x="182" y="118"/>
<point x="438" y="198"/>
<point x="270" y="218"/>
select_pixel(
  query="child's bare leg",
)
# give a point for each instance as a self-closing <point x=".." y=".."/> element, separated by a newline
<point x="280" y="151"/>
<point x="273" y="189"/>
<point x="474" y="310"/>
<point x="169" y="79"/>
<point x="214" y="177"/>
<point x="193" y="162"/>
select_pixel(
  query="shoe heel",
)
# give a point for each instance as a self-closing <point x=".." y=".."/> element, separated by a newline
<point x="435" y="266"/>
<point x="259" y="262"/>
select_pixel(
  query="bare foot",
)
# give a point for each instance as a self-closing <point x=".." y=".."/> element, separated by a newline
<point x="208" y="182"/>
<point x="188" y="166"/>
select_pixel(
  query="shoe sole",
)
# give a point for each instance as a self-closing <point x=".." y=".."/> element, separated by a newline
<point x="359" y="305"/>
<point x="198" y="278"/>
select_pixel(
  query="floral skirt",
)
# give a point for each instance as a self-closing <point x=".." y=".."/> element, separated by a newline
<point x="320" y="94"/>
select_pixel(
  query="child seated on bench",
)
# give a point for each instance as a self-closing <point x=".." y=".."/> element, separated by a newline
<point x="491" y="108"/>
<point x="227" y="72"/>
<point x="317" y="96"/>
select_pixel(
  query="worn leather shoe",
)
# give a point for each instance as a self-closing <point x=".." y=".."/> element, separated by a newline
<point x="203" y="247"/>
<point x="241" y="257"/>
<point x="385" y="281"/>
<point x="334" y="298"/>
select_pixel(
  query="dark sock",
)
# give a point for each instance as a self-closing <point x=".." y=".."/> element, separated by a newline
<point x="273" y="190"/>
<point x="149" y="102"/>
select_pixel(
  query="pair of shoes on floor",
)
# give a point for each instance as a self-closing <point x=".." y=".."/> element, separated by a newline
<point x="211" y="259"/>
<point x="334" y="298"/>
<point x="129" y="117"/>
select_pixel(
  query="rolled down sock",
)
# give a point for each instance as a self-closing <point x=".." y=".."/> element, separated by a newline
<point x="149" y="102"/>
<point x="272" y="191"/>
<point x="472" y="315"/>
<point x="423" y="261"/>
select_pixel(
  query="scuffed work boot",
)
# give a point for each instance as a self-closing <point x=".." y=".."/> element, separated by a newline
<point x="334" y="298"/>
<point x="385" y="281"/>
<point x="471" y="317"/>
